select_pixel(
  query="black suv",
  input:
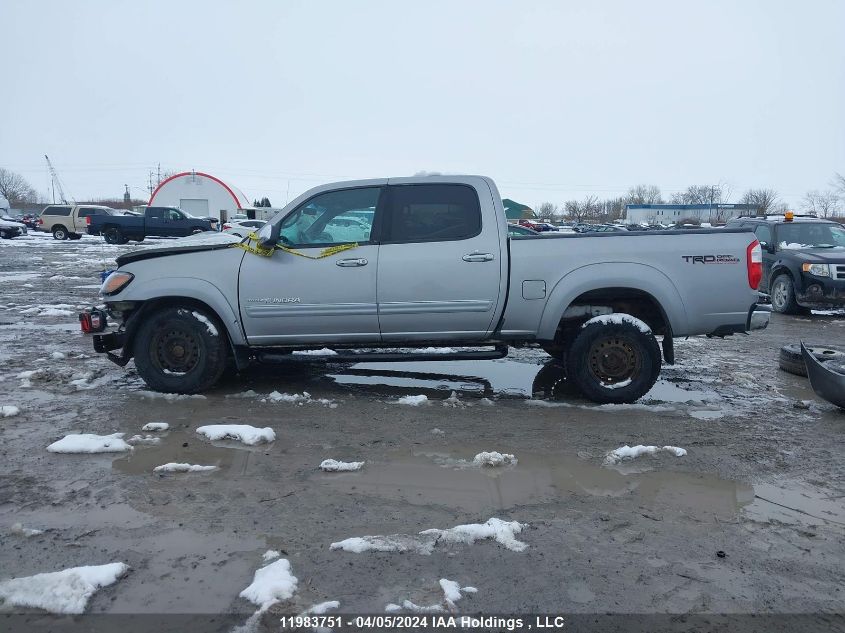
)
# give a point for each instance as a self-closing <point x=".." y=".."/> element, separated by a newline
<point x="803" y="261"/>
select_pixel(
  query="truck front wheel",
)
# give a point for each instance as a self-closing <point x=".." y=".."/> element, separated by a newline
<point x="613" y="362"/>
<point x="180" y="350"/>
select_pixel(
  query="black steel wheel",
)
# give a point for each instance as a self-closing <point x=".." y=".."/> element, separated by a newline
<point x="612" y="362"/>
<point x="181" y="349"/>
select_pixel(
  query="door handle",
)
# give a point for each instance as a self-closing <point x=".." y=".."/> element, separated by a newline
<point x="348" y="263"/>
<point x="478" y="257"/>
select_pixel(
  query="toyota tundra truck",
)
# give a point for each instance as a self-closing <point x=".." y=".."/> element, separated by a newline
<point x="430" y="263"/>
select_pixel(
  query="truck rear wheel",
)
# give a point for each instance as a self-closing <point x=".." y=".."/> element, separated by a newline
<point x="60" y="233"/>
<point x="180" y="350"/>
<point x="612" y="362"/>
<point x="114" y="235"/>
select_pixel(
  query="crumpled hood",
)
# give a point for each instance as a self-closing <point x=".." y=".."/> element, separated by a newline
<point x="190" y="244"/>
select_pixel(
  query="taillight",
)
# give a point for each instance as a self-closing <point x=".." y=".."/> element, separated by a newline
<point x="40" y="222"/>
<point x="754" y="261"/>
<point x="88" y="220"/>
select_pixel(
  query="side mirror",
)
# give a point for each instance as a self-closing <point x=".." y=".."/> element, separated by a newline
<point x="268" y="236"/>
<point x="769" y="248"/>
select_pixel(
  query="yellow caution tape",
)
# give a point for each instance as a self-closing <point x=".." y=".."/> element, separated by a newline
<point x="254" y="248"/>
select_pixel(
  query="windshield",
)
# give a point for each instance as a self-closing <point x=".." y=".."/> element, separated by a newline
<point x="810" y="235"/>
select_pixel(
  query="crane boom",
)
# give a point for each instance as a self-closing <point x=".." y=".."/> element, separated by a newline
<point x="57" y="184"/>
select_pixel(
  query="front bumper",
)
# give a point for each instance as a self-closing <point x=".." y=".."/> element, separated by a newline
<point x="821" y="292"/>
<point x="105" y="343"/>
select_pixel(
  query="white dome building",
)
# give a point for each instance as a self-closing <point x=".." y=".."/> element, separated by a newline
<point x="199" y="194"/>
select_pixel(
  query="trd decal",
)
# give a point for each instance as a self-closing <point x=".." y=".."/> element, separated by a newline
<point x="710" y="259"/>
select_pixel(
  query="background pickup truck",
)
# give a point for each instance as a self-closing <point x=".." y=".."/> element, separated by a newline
<point x="430" y="263"/>
<point x="69" y="222"/>
<point x="156" y="221"/>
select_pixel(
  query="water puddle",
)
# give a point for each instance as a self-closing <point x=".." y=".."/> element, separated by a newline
<point x="797" y="503"/>
<point x="433" y="478"/>
<point x="183" y="447"/>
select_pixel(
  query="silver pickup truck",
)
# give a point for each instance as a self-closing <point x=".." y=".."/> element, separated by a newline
<point x="414" y="262"/>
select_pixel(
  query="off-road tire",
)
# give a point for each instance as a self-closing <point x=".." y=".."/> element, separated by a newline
<point x="176" y="352"/>
<point x="60" y="233"/>
<point x="603" y="354"/>
<point x="782" y="295"/>
<point x="791" y="361"/>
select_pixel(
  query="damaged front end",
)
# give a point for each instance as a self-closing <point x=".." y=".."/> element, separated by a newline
<point x="126" y="313"/>
<point x="827" y="383"/>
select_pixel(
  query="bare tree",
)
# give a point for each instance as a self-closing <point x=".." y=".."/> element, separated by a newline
<point x="547" y="210"/>
<point x="702" y="194"/>
<point x="582" y="210"/>
<point x="644" y="194"/>
<point x="839" y="183"/>
<point x="763" y="199"/>
<point x="822" y="203"/>
<point x="15" y="188"/>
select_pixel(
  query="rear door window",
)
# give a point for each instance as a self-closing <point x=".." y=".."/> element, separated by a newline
<point x="432" y="213"/>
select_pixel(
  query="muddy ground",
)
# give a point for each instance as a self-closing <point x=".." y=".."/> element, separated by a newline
<point x="762" y="481"/>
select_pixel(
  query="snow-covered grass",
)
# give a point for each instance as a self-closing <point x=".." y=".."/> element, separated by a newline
<point x="269" y="555"/>
<point x="243" y="433"/>
<point x="173" y="467"/>
<point x="9" y="410"/>
<point x="494" y="458"/>
<point x="90" y="443"/>
<point x="412" y="401"/>
<point x="66" y="591"/>
<point x="334" y="466"/>
<point x="155" y="426"/>
<point x="619" y="319"/>
<point x="502" y="532"/>
<point x="626" y="453"/>
<point x="271" y="584"/>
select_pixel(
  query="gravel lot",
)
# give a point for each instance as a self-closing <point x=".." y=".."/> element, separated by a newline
<point x="762" y="480"/>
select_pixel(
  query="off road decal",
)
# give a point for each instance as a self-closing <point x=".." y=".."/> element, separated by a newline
<point x="710" y="259"/>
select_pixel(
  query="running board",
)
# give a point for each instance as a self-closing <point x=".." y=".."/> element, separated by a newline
<point x="500" y="351"/>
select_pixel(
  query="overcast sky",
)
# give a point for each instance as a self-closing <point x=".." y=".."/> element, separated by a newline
<point x="555" y="100"/>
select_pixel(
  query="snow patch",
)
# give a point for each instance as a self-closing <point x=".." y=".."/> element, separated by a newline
<point x="452" y="592"/>
<point x="619" y="319"/>
<point x="503" y="532"/>
<point x="412" y="401"/>
<point x="299" y="399"/>
<point x="321" y="608"/>
<point x="155" y="426"/>
<point x="315" y="352"/>
<point x="243" y="433"/>
<point x="144" y="439"/>
<point x="157" y="395"/>
<point x="626" y="453"/>
<point x="494" y="458"/>
<point x="57" y="356"/>
<point x="66" y="591"/>
<point x="90" y="443"/>
<point x="20" y="530"/>
<point x="9" y="411"/>
<point x="173" y="467"/>
<point x="270" y="585"/>
<point x="207" y="322"/>
<point x="437" y="350"/>
<point x="334" y="466"/>
<point x="269" y="555"/>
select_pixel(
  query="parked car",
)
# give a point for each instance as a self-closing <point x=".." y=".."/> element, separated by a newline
<point x="803" y="261"/>
<point x="156" y="221"/>
<point x="438" y="268"/>
<point x="9" y="228"/>
<point x="67" y="221"/>
<point x="29" y="220"/>
<point x="516" y="229"/>
<point x="242" y="228"/>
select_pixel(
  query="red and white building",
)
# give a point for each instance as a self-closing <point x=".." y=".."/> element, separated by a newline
<point x="201" y="195"/>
